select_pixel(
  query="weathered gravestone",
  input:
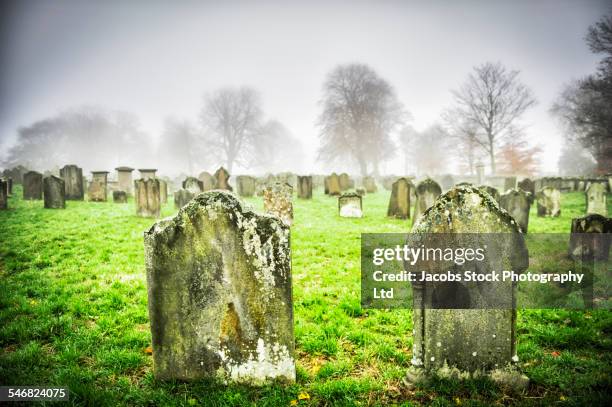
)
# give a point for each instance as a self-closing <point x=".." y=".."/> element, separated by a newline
<point x="120" y="197"/>
<point x="54" y="192"/>
<point x="219" y="287"/>
<point x="73" y="178"/>
<point x="527" y="185"/>
<point x="277" y="199"/>
<point x="369" y="183"/>
<point x="333" y="185"/>
<point x="124" y="179"/>
<point x="474" y="336"/>
<point x="147" y="197"/>
<point x="596" y="199"/>
<point x="304" y="187"/>
<point x="193" y="185"/>
<point x="399" y="203"/>
<point x="583" y="248"/>
<point x="3" y="194"/>
<point x="182" y="197"/>
<point x="208" y="181"/>
<point x="427" y="191"/>
<point x="98" y="189"/>
<point x="222" y="179"/>
<point x="163" y="190"/>
<point x="350" y="205"/>
<point x="147" y="173"/>
<point x="491" y="191"/>
<point x="549" y="202"/>
<point x="344" y="181"/>
<point x="517" y="203"/>
<point x="32" y="185"/>
<point x="9" y="186"/>
<point x="245" y="184"/>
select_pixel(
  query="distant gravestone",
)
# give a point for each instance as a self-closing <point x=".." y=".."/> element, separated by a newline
<point x="147" y="197"/>
<point x="32" y="185"/>
<point x="447" y="182"/>
<point x="582" y="248"/>
<point x="246" y="184"/>
<point x="304" y="187"/>
<point x="163" y="191"/>
<point x="360" y="191"/>
<point x="193" y="185"/>
<point x="350" y="206"/>
<point x="517" y="203"/>
<point x="124" y="179"/>
<point x="480" y="175"/>
<point x="369" y="183"/>
<point x="527" y="185"/>
<point x="427" y="191"/>
<point x="9" y="183"/>
<point x="344" y="181"/>
<point x="182" y="197"/>
<point x="581" y="186"/>
<point x="333" y="185"/>
<point x="147" y="173"/>
<point x="219" y="288"/>
<point x="399" y="202"/>
<point x="54" y="192"/>
<point x="97" y="188"/>
<point x="491" y="191"/>
<point x="509" y="183"/>
<point x="549" y="202"/>
<point x="222" y="179"/>
<point x="73" y="178"/>
<point x="208" y="181"/>
<point x="596" y="199"/>
<point x="470" y="338"/>
<point x="3" y="194"/>
<point x="277" y="199"/>
<point x="120" y="197"/>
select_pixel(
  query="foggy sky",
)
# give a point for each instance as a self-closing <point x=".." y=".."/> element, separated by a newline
<point x="157" y="59"/>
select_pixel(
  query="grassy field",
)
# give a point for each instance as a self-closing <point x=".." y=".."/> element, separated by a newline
<point x="73" y="312"/>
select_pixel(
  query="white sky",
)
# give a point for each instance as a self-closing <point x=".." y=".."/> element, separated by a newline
<point x="157" y="59"/>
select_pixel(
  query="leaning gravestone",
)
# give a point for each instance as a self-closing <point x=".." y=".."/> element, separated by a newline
<point x="98" y="187"/>
<point x="596" y="199"/>
<point x="120" y="197"/>
<point x="333" y="185"/>
<point x="350" y="205"/>
<point x="219" y="288"/>
<point x="527" y="185"/>
<point x="369" y="183"/>
<point x="32" y="185"/>
<point x="182" y="197"/>
<point x="474" y="337"/>
<point x="517" y="203"/>
<point x="427" y="191"/>
<point x="344" y="181"/>
<point x="222" y="179"/>
<point x="549" y="202"/>
<point x="491" y="191"/>
<point x="147" y="197"/>
<point x="304" y="187"/>
<point x="277" y="199"/>
<point x="399" y="203"/>
<point x="193" y="185"/>
<point x="73" y="177"/>
<point x="3" y="194"/>
<point x="245" y="184"/>
<point x="54" y="192"/>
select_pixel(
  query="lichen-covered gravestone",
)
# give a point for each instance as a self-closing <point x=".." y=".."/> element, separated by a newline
<point x="208" y="181"/>
<point x="596" y="199"/>
<point x="219" y="287"/>
<point x="304" y="186"/>
<point x="491" y="191"/>
<point x="193" y="185"/>
<point x="222" y="179"/>
<point x="369" y="183"/>
<point x="119" y="197"/>
<point x="98" y="187"/>
<point x="549" y="202"/>
<point x="54" y="192"/>
<point x="147" y="197"/>
<point x="246" y="185"/>
<point x="333" y="185"/>
<point x="278" y="201"/>
<point x="527" y="185"/>
<point x="517" y="203"/>
<point x="350" y="206"/>
<point x="3" y="194"/>
<point x="32" y="185"/>
<point x="182" y="197"/>
<point x="399" y="203"/>
<point x="473" y="337"/>
<point x="427" y="191"/>
<point x="73" y="178"/>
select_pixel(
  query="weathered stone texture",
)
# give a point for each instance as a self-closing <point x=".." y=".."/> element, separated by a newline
<point x="73" y="178"/>
<point x="222" y="179"/>
<point x="147" y="197"/>
<point x="596" y="199"/>
<point x="120" y="197"/>
<point x="54" y="192"/>
<point x="517" y="203"/>
<point x="304" y="187"/>
<point x="246" y="185"/>
<point x="399" y="202"/>
<point x="427" y="191"/>
<point x="350" y="205"/>
<point x="549" y="202"/>
<point x="278" y="201"/>
<point x="32" y="185"/>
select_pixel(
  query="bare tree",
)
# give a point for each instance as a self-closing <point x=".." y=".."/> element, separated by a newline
<point x="181" y="147"/>
<point x="428" y="149"/>
<point x="360" y="111"/>
<point x="492" y="99"/>
<point x="232" y="118"/>
<point x="464" y="134"/>
<point x="276" y="149"/>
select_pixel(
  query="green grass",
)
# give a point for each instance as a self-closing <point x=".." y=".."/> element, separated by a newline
<point x="73" y="312"/>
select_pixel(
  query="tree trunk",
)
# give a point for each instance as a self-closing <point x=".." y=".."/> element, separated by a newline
<point x="492" y="155"/>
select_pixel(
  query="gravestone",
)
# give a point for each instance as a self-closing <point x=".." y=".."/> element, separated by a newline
<point x="527" y="185"/>
<point x="447" y="182"/>
<point x="163" y="191"/>
<point x="472" y="338"/>
<point x="480" y="175"/>
<point x="491" y="191"/>
<point x="333" y="185"/>
<point x="54" y="192"/>
<point x="549" y="202"/>
<point x="32" y="185"/>
<point x="124" y="179"/>
<point x="3" y="194"/>
<point x="9" y="183"/>
<point x="245" y="184"/>
<point x="182" y="197"/>
<point x="596" y="199"/>
<point x="344" y="181"/>
<point x="147" y="197"/>
<point x="219" y="288"/>
<point x="326" y="185"/>
<point x="509" y="183"/>
<point x="208" y="181"/>
<point x="277" y="199"/>
<point x="222" y="179"/>
<point x="97" y="189"/>
<point x="517" y="203"/>
<point x="304" y="186"/>
<point x="399" y="203"/>
<point x="193" y="185"/>
<point x="120" y="197"/>
<point x="582" y="248"/>
<point x="369" y="183"/>
<point x="427" y="191"/>
<point x="73" y="178"/>
<point x="147" y="173"/>
<point x="360" y="191"/>
<point x="387" y="182"/>
<point x="350" y="206"/>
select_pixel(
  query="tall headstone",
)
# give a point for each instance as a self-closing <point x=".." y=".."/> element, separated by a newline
<point x="222" y="179"/>
<point x="245" y="184"/>
<point x="147" y="173"/>
<point x="517" y="203"/>
<point x="350" y="205"/>
<point x="344" y="181"/>
<point x="32" y="185"/>
<point x="193" y="185"/>
<point x="163" y="191"/>
<point x="120" y="197"/>
<point x="98" y="188"/>
<point x="73" y="178"/>
<point x="124" y="179"/>
<point x="333" y="185"/>
<point x="208" y="181"/>
<point x="427" y="191"/>
<point x="219" y="288"/>
<point x="549" y="202"/>
<point x="491" y="191"/>
<point x="399" y="202"/>
<point x="304" y="187"/>
<point x="527" y="185"/>
<point x="182" y="197"/>
<point x="54" y="192"/>
<point x="596" y="199"/>
<point x="369" y="183"/>
<point x="3" y="194"/>
<point x="277" y="199"/>
<point x="147" y="197"/>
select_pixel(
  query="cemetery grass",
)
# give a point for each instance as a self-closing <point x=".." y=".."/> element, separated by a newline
<point x="73" y="312"/>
